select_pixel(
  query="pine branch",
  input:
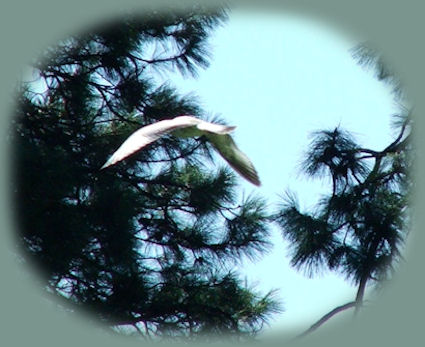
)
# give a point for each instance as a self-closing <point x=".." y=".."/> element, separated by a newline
<point x="326" y="317"/>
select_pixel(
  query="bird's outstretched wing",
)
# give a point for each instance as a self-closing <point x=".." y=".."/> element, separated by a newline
<point x="186" y="126"/>
<point x="227" y="148"/>
<point x="142" y="138"/>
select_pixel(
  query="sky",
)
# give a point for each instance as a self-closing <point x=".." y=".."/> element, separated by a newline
<point x="278" y="78"/>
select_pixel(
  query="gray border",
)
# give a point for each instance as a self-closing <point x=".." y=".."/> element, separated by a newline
<point x="28" y="26"/>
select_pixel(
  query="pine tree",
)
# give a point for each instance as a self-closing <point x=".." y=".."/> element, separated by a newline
<point x="359" y="227"/>
<point x="146" y="246"/>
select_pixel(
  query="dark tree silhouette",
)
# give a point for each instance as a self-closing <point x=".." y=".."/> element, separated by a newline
<point x="146" y="246"/>
<point x="358" y="229"/>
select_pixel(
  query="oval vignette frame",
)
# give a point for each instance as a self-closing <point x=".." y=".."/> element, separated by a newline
<point x="25" y="315"/>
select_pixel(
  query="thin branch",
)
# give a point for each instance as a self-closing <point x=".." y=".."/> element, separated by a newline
<point x="179" y="55"/>
<point x="327" y="317"/>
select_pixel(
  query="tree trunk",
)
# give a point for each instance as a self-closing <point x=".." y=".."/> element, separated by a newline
<point x="360" y="293"/>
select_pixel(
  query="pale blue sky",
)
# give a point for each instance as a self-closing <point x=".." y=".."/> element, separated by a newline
<point x="278" y="78"/>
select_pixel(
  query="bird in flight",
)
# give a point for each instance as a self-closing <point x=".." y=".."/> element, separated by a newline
<point x="189" y="126"/>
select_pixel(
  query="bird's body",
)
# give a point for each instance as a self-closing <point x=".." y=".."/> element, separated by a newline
<point x="189" y="126"/>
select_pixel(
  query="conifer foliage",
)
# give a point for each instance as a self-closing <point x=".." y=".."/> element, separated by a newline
<point x="146" y="246"/>
<point x="359" y="227"/>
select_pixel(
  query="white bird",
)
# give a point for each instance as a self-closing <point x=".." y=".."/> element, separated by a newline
<point x="189" y="126"/>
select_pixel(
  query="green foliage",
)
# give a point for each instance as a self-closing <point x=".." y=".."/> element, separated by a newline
<point x="358" y="229"/>
<point x="333" y="152"/>
<point x="145" y="245"/>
